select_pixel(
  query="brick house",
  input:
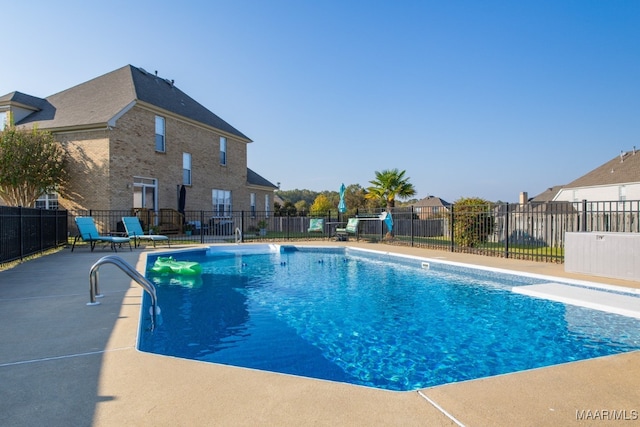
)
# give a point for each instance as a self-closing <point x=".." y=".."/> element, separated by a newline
<point x="134" y="139"/>
<point x="431" y="206"/>
<point x="612" y="191"/>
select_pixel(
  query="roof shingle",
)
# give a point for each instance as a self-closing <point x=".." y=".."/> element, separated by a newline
<point x="255" y="179"/>
<point x="624" y="168"/>
<point x="97" y="101"/>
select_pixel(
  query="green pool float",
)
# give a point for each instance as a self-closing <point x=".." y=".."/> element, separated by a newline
<point x="170" y="265"/>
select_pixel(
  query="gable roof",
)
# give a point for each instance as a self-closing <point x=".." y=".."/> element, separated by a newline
<point x="99" y="101"/>
<point x="257" y="180"/>
<point x="22" y="100"/>
<point x="548" y="195"/>
<point x="432" y="201"/>
<point x="621" y="169"/>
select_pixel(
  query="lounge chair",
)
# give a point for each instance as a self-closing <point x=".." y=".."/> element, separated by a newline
<point x="88" y="232"/>
<point x="316" y="225"/>
<point x="351" y="228"/>
<point x="135" y="232"/>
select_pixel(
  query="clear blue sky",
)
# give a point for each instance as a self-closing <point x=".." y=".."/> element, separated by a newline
<point x="472" y="98"/>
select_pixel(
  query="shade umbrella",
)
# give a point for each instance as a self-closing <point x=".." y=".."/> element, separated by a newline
<point x="389" y="221"/>
<point x="342" y="206"/>
<point x="182" y="200"/>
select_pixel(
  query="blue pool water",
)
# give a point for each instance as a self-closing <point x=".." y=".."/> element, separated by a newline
<point x="369" y="319"/>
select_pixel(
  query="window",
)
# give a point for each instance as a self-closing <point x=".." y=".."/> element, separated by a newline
<point x="3" y="120"/>
<point x="47" y="201"/>
<point x="221" y="202"/>
<point x="266" y="205"/>
<point x="186" y="168"/>
<point x="223" y="150"/>
<point x="253" y="205"/>
<point x="160" y="143"/>
<point x="622" y="193"/>
<point x="144" y="192"/>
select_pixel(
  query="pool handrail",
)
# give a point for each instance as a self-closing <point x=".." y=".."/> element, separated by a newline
<point x="131" y="272"/>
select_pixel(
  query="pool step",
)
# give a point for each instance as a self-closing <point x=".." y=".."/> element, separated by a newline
<point x="598" y="300"/>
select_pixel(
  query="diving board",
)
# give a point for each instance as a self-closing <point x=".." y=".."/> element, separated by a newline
<point x="625" y="305"/>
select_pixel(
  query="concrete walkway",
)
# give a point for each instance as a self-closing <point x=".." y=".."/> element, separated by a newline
<point x="63" y="363"/>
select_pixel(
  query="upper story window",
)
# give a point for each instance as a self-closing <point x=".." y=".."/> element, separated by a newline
<point x="223" y="150"/>
<point x="3" y="119"/>
<point x="160" y="142"/>
<point x="186" y="168"/>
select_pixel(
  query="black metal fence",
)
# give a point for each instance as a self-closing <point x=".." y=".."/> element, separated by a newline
<point x="209" y="227"/>
<point x="528" y="231"/>
<point x="27" y="231"/>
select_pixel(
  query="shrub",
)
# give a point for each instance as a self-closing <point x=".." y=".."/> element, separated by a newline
<point x="473" y="221"/>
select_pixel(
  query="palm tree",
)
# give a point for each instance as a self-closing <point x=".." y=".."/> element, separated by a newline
<point x="388" y="185"/>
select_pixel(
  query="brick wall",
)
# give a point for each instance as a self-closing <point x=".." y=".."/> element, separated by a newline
<point x="103" y="164"/>
<point x="88" y="167"/>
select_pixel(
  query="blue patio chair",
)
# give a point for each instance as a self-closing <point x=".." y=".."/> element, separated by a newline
<point x="135" y="232"/>
<point x="88" y="232"/>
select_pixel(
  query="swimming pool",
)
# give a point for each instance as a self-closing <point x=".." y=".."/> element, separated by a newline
<point x="369" y="318"/>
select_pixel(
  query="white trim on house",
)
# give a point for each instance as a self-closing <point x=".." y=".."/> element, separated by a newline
<point x="599" y="193"/>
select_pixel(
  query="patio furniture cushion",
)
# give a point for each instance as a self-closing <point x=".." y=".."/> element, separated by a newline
<point x="351" y="228"/>
<point x="316" y="225"/>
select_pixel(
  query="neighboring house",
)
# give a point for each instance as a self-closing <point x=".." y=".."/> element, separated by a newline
<point x="616" y="180"/>
<point x="134" y="139"/>
<point x="277" y="199"/>
<point x="611" y="191"/>
<point x="547" y="195"/>
<point x="431" y="211"/>
<point x="535" y="220"/>
<point x="430" y="206"/>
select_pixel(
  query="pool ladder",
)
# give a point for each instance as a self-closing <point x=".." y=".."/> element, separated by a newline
<point x="132" y="273"/>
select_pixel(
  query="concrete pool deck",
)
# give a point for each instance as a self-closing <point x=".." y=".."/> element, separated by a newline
<point x="64" y="363"/>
